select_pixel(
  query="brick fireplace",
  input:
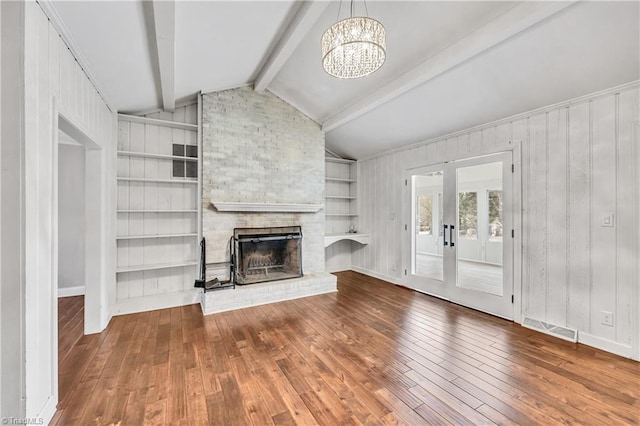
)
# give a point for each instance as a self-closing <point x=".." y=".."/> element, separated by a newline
<point x="265" y="159"/>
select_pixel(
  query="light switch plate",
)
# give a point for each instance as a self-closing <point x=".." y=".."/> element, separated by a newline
<point x="607" y="220"/>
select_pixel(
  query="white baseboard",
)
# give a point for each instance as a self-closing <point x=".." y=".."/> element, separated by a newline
<point x="605" y="345"/>
<point x="339" y="268"/>
<point x="157" y="301"/>
<point x="47" y="412"/>
<point x="374" y="274"/>
<point x="70" y="291"/>
<point x="106" y="319"/>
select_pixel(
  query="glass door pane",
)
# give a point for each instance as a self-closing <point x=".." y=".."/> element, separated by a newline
<point x="427" y="220"/>
<point x="479" y="246"/>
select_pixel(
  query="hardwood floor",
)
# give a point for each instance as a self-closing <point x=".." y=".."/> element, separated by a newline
<point x="373" y="353"/>
<point x="70" y="324"/>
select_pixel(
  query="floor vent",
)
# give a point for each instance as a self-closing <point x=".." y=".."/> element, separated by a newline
<point x="553" y="330"/>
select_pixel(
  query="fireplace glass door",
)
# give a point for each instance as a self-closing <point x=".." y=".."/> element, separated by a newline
<point x="267" y="254"/>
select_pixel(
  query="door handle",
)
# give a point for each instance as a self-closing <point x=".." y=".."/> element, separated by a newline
<point x="444" y="235"/>
<point x="451" y="228"/>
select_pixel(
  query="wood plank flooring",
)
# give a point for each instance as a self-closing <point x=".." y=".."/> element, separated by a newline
<point x="373" y="353"/>
<point x="70" y="324"/>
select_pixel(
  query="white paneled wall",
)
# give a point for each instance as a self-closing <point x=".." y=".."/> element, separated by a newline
<point x="157" y="216"/>
<point x="578" y="168"/>
<point x="54" y="84"/>
<point x="12" y="307"/>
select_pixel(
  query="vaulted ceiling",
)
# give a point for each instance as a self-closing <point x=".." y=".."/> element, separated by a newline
<point x="450" y="65"/>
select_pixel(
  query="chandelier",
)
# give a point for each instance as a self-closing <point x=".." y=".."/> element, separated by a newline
<point x="353" y="47"/>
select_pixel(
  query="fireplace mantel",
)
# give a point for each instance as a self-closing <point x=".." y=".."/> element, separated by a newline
<point x="266" y="207"/>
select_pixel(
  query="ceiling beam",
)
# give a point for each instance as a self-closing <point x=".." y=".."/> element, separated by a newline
<point x="304" y="19"/>
<point x="498" y="30"/>
<point x="164" y="18"/>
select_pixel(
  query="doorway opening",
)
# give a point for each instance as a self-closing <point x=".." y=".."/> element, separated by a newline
<point x="77" y="240"/>
<point x="71" y="242"/>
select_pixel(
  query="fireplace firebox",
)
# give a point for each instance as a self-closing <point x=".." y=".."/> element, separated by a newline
<point x="267" y="254"/>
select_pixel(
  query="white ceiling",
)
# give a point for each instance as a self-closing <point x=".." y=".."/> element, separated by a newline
<point x="220" y="44"/>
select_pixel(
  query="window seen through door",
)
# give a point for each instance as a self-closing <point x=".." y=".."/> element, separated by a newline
<point x="425" y="214"/>
<point x="468" y="213"/>
<point x="495" y="215"/>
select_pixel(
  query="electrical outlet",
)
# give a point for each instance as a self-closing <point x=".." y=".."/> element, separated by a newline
<point x="607" y="318"/>
<point x="607" y="220"/>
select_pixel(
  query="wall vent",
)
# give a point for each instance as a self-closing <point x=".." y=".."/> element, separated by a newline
<point x="553" y="330"/>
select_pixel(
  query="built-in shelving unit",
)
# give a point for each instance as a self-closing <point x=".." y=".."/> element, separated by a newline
<point x="158" y="211"/>
<point x="341" y="207"/>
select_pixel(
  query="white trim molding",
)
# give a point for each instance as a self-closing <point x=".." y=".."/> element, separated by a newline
<point x="157" y="301"/>
<point x="383" y="277"/>
<point x="266" y="207"/>
<point x="605" y="345"/>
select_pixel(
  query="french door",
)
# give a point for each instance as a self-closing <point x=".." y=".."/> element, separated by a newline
<point x="459" y="230"/>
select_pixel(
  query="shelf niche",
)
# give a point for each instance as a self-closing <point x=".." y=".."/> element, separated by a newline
<point x="341" y="213"/>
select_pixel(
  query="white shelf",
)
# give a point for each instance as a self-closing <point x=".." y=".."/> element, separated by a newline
<point x="141" y="237"/>
<point x="153" y="267"/>
<point x="146" y="180"/>
<point x="158" y="156"/>
<point x="342" y="214"/>
<point x="339" y="160"/>
<point x="340" y="197"/>
<point x="156" y="211"/>
<point x="157" y="122"/>
<point x="334" y="238"/>
<point x="329" y="179"/>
